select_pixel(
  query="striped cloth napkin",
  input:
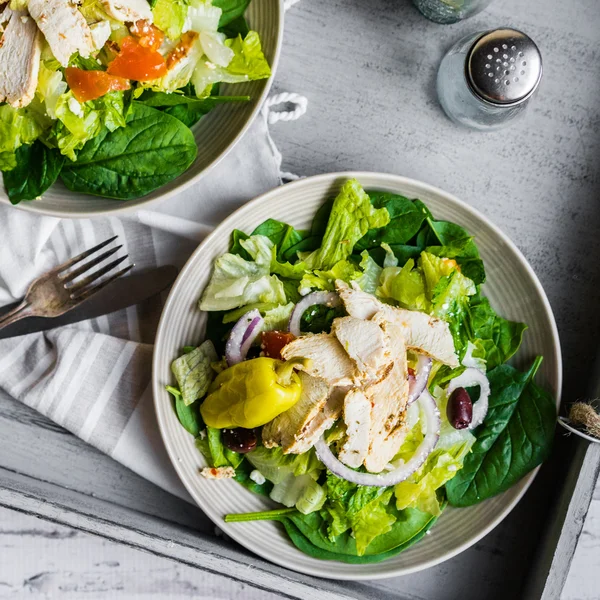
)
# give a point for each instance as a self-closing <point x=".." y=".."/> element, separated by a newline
<point x="93" y="377"/>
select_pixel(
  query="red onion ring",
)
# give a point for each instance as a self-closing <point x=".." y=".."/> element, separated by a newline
<point x="432" y="416"/>
<point x="418" y="383"/>
<point x="469" y="378"/>
<point x="242" y="335"/>
<point x="328" y="298"/>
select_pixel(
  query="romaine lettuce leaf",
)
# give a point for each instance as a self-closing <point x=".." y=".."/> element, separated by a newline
<point x="194" y="373"/>
<point x="406" y="285"/>
<point x="325" y="280"/>
<point x="301" y="491"/>
<point x="277" y="466"/>
<point x="79" y="122"/>
<point x="248" y="63"/>
<point x="352" y="215"/>
<point x="17" y="127"/>
<point x="277" y="318"/>
<point x="363" y="509"/>
<point x="169" y="16"/>
<point x="369" y="281"/>
<point x="236" y="281"/>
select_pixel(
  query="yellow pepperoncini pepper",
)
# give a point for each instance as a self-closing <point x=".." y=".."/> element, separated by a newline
<point x="251" y="393"/>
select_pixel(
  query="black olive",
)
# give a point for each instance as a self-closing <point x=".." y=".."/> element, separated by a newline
<point x="460" y="409"/>
<point x="239" y="440"/>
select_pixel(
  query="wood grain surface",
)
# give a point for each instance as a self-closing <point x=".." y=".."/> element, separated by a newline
<point x="368" y="70"/>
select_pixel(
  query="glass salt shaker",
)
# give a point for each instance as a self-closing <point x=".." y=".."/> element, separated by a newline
<point x="488" y="78"/>
<point x="450" y="11"/>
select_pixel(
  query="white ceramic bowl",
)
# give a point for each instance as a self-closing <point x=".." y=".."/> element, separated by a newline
<point x="222" y="127"/>
<point x="512" y="288"/>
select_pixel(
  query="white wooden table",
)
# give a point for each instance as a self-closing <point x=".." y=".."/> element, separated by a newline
<point x="368" y="69"/>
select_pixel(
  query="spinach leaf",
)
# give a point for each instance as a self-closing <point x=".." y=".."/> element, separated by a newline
<point x="236" y="27"/>
<point x="515" y="437"/>
<point x="242" y="475"/>
<point x="188" y="414"/>
<point x="37" y="169"/>
<point x="151" y="150"/>
<point x="217" y="331"/>
<point x="499" y="337"/>
<point x="319" y="318"/>
<point x="403" y="252"/>
<point x="162" y="99"/>
<point x="284" y="236"/>
<point x="232" y="9"/>
<point x="309" y="534"/>
<point x="450" y="240"/>
<point x="406" y="219"/>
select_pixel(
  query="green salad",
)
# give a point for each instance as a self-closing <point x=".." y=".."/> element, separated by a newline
<point x="102" y="94"/>
<point x="356" y="374"/>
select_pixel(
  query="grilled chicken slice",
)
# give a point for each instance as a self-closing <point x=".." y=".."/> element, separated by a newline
<point x="20" y="51"/>
<point x="357" y="416"/>
<point x="365" y="343"/>
<point x="128" y="11"/>
<point x="289" y="429"/>
<point x="422" y="332"/>
<point x="388" y="398"/>
<point x="321" y="423"/>
<point x="358" y="304"/>
<point x="64" y="27"/>
<point x="329" y="359"/>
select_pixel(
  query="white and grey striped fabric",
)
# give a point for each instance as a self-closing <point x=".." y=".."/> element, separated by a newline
<point x="93" y="378"/>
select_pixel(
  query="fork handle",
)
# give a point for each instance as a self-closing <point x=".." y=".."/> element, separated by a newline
<point x="19" y="312"/>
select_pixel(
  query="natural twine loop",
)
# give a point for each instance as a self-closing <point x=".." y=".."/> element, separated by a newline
<point x="585" y="415"/>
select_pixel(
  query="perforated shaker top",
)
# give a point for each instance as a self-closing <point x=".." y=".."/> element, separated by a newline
<point x="504" y="66"/>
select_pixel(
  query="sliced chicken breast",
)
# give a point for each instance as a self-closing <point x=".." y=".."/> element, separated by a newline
<point x="358" y="304"/>
<point x="357" y="416"/>
<point x="365" y="343"/>
<point x="290" y="427"/>
<point x="422" y="332"/>
<point x="20" y="50"/>
<point x="321" y="423"/>
<point x="388" y="398"/>
<point x="329" y="359"/>
<point x="128" y="11"/>
<point x="64" y="27"/>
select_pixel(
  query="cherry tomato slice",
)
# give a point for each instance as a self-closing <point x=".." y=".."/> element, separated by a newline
<point x="272" y="342"/>
<point x="137" y="62"/>
<point x="89" y="85"/>
<point x="147" y="34"/>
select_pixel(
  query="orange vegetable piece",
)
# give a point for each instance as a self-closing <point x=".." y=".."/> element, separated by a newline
<point x="138" y="62"/>
<point x="147" y="34"/>
<point x="89" y="85"/>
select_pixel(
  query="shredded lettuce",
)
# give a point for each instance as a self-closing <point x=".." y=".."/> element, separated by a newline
<point x="352" y="215"/>
<point x="405" y="285"/>
<point x="237" y="282"/>
<point x="194" y="373"/>
<point x="203" y="17"/>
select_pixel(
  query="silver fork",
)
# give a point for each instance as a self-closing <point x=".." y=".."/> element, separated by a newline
<point x="56" y="292"/>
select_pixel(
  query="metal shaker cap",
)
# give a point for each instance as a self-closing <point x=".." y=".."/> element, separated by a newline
<point x="504" y="67"/>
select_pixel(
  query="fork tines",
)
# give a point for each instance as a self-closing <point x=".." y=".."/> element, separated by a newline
<point x="80" y="290"/>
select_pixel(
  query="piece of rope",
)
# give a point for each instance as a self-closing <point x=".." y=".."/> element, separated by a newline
<point x="585" y="416"/>
<point x="271" y="117"/>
